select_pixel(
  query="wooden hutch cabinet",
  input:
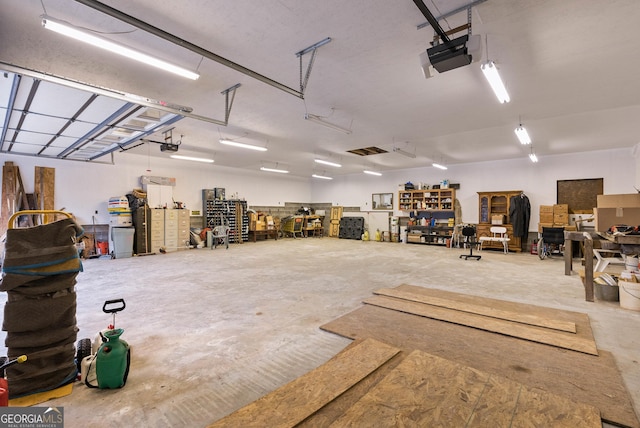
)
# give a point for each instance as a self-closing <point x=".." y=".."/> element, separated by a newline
<point x="494" y="211"/>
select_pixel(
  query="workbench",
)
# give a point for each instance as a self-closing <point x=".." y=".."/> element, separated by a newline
<point x="584" y="237"/>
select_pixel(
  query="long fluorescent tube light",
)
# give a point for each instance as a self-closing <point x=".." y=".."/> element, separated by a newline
<point x="190" y="158"/>
<point x="523" y="135"/>
<point x="244" y="146"/>
<point x="533" y="157"/>
<point x="100" y="42"/>
<point x="324" y="162"/>
<point x="372" y="172"/>
<point x="321" y="121"/>
<point x="437" y="165"/>
<point x="404" y="152"/>
<point x="280" y="171"/>
<point x="493" y="77"/>
<point x="324" y="177"/>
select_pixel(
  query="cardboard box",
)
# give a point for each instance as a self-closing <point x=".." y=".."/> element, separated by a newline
<point x="253" y="217"/>
<point x="497" y="219"/>
<point x="560" y="209"/>
<point x="261" y="225"/>
<point x="546" y="217"/>
<point x="630" y="200"/>
<point x="607" y="217"/>
<point x="561" y="218"/>
<point x="546" y="209"/>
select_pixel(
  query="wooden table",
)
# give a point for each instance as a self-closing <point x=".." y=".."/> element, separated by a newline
<point x="267" y="233"/>
<point x="585" y="238"/>
<point x="569" y="237"/>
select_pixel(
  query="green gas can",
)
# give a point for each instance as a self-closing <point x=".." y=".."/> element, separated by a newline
<point x="112" y="360"/>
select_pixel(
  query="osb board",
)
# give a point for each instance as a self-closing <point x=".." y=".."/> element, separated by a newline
<point x="295" y="401"/>
<point x="527" y="332"/>
<point x="425" y="390"/>
<point x="489" y="311"/>
<point x="589" y="379"/>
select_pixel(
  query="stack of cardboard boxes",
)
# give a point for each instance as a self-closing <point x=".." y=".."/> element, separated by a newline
<point x="554" y="216"/>
<point x="260" y="221"/>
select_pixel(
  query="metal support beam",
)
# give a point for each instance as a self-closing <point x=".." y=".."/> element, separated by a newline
<point x="12" y="100"/>
<point x="432" y="20"/>
<point x="185" y="44"/>
<point x="228" y="103"/>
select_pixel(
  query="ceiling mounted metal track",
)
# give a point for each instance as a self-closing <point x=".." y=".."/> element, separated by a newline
<point x="114" y="13"/>
<point x="119" y="95"/>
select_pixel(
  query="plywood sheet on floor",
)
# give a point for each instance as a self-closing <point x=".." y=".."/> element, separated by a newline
<point x="416" y="295"/>
<point x="425" y="390"/>
<point x="585" y="378"/>
<point x="579" y="319"/>
<point x="295" y="401"/>
<point x="527" y="332"/>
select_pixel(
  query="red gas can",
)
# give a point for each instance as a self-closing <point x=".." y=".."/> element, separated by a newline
<point x="4" y="393"/>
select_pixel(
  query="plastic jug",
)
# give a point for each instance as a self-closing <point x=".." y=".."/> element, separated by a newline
<point x="112" y="361"/>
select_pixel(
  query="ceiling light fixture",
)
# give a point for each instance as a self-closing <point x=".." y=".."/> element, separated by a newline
<point x="103" y="43"/>
<point x="242" y="145"/>
<point x="322" y="121"/>
<point x="324" y="177"/>
<point x="404" y="152"/>
<point x="523" y="135"/>
<point x="190" y="158"/>
<point x="439" y="166"/>
<point x="366" y="171"/>
<point x="280" y="171"/>
<point x="493" y="77"/>
<point x="533" y="156"/>
<point x="324" y="162"/>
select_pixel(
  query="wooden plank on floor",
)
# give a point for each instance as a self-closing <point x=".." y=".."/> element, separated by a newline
<point x="300" y="398"/>
<point x="509" y="328"/>
<point x="425" y="390"/>
<point x="590" y="379"/>
<point x="520" y="317"/>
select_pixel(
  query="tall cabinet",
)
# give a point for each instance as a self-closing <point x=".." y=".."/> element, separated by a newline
<point x="494" y="211"/>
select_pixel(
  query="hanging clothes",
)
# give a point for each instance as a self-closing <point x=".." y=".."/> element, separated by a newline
<point x="520" y="214"/>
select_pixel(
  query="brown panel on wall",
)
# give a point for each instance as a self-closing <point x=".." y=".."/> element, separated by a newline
<point x="580" y="195"/>
<point x="44" y="190"/>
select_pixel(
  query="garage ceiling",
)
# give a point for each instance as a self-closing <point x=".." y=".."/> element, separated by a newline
<point x="570" y="67"/>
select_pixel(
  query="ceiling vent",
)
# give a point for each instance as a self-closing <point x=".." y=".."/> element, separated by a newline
<point x="367" y="151"/>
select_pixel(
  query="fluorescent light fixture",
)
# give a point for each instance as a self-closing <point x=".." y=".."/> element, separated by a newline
<point x="190" y="158"/>
<point x="493" y="77"/>
<point x="366" y="171"/>
<point x="280" y="171"/>
<point x="242" y="145"/>
<point x="437" y="165"/>
<point x="523" y="135"/>
<point x="100" y="42"/>
<point x="533" y="156"/>
<point x="404" y="152"/>
<point x="324" y="162"/>
<point x="324" y="177"/>
<point x="321" y="121"/>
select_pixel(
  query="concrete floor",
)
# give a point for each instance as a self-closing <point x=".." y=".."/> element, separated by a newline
<point x="212" y="330"/>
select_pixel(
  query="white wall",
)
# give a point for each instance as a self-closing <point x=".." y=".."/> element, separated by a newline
<point x="83" y="188"/>
<point x="538" y="181"/>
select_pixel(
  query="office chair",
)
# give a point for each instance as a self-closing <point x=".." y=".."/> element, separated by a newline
<point x="469" y="232"/>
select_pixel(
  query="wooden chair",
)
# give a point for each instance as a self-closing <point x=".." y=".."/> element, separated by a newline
<point x="498" y="234"/>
